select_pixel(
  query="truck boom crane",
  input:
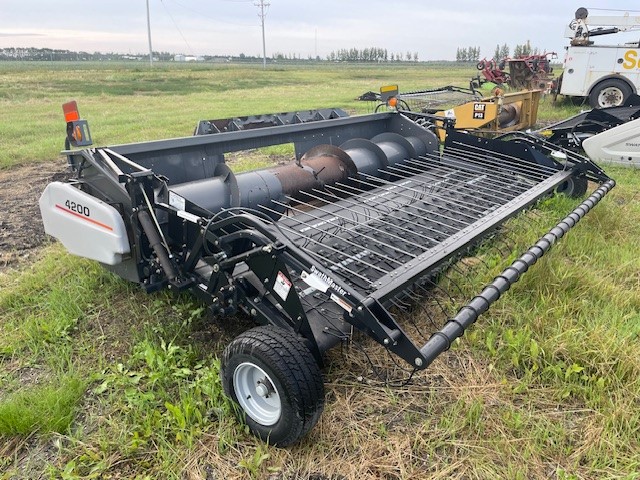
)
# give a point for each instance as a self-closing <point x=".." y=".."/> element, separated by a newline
<point x="606" y="74"/>
<point x="579" y="33"/>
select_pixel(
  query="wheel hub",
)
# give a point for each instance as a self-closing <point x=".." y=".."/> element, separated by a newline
<point x="257" y="394"/>
<point x="610" y="97"/>
<point x="262" y="389"/>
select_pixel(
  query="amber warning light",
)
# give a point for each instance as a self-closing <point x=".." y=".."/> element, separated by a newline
<point x="70" y="110"/>
<point x="77" y="130"/>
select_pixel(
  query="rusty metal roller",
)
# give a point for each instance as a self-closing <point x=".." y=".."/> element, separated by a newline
<point x="321" y="166"/>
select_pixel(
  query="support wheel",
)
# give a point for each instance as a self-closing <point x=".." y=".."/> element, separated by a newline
<point x="271" y="374"/>
<point x="574" y="187"/>
<point x="609" y="93"/>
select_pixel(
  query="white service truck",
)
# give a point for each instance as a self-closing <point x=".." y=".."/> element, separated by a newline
<point x="606" y="74"/>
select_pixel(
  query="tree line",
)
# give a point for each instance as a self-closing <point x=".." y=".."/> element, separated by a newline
<point x="472" y="54"/>
<point x="521" y="50"/>
<point x="51" y="55"/>
<point x="371" y="55"/>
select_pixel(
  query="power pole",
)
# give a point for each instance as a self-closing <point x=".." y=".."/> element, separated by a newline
<point x="149" y="34"/>
<point x="262" y="14"/>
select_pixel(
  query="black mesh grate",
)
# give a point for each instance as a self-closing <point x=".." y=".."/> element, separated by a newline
<point x="370" y="231"/>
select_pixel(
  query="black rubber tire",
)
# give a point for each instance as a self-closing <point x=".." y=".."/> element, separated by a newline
<point x="614" y="85"/>
<point x="292" y="369"/>
<point x="480" y="65"/>
<point x="574" y="187"/>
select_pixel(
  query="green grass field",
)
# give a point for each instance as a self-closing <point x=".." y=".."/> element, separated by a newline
<point x="99" y="380"/>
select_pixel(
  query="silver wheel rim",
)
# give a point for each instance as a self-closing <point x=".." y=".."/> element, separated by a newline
<point x="256" y="394"/>
<point x="610" y="97"/>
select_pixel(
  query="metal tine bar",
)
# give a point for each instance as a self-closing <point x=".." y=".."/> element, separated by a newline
<point x="412" y="296"/>
<point x="443" y="290"/>
<point x="425" y="309"/>
<point x="422" y="172"/>
<point x="340" y="227"/>
<point x="506" y="156"/>
<point x="356" y="224"/>
<point x="397" y="305"/>
<point x="369" y="217"/>
<point x="337" y="265"/>
<point x="328" y="189"/>
<point x="397" y="302"/>
<point x="489" y="186"/>
<point x="491" y="175"/>
<point x="464" y="155"/>
<point x="357" y="213"/>
<point x="420" y="193"/>
<point x="492" y="200"/>
<point x="453" y="282"/>
<point x="427" y="294"/>
<point x="335" y="235"/>
<point x="423" y="193"/>
<point x="416" y="207"/>
<point x="417" y="301"/>
<point x="333" y="187"/>
<point x="418" y="330"/>
<point x="401" y="297"/>
<point x="324" y="192"/>
<point x="494" y="156"/>
<point x="432" y="159"/>
<point x="473" y="158"/>
<point x="379" y="208"/>
<point x="501" y="242"/>
<point x="444" y="312"/>
<point x="489" y="191"/>
<point x="470" y="206"/>
<point x="421" y="305"/>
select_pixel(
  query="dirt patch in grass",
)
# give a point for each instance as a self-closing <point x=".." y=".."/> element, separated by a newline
<point x="21" y="229"/>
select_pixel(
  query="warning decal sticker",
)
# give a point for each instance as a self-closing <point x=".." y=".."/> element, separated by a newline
<point x="282" y="286"/>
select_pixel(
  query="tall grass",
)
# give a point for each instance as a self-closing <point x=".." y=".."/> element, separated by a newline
<point x="42" y="409"/>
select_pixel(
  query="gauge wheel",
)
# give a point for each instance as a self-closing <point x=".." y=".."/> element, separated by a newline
<point x="610" y="93"/>
<point x="574" y="187"/>
<point x="276" y="382"/>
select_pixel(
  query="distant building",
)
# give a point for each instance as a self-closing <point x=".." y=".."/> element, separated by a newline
<point x="188" y="58"/>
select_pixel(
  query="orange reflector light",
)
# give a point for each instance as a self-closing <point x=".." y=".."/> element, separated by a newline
<point x="70" y="110"/>
<point x="393" y="102"/>
<point x="77" y="134"/>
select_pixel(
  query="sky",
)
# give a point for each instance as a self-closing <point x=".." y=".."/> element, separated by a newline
<point x="302" y="27"/>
